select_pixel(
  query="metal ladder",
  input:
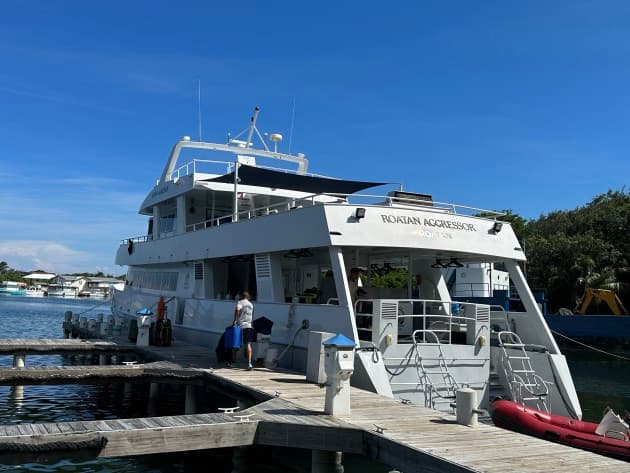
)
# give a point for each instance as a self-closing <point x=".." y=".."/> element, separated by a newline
<point x="525" y="386"/>
<point x="434" y="392"/>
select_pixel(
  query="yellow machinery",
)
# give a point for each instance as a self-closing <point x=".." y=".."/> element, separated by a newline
<point x="609" y="297"/>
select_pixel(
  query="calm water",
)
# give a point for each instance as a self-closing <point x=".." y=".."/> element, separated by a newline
<point x="24" y="317"/>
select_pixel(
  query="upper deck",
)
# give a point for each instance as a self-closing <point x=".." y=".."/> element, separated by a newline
<point x="224" y="199"/>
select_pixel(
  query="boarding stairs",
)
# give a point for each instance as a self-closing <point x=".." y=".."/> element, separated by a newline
<point x="439" y="384"/>
<point x="524" y="385"/>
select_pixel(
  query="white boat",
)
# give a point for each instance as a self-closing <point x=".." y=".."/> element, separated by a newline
<point x="36" y="291"/>
<point x="12" y="288"/>
<point x="62" y="290"/>
<point x="240" y="220"/>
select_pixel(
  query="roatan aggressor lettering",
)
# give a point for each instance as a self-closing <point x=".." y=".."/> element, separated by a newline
<point x="428" y="222"/>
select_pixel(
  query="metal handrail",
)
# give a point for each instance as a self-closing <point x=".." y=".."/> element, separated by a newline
<point x="341" y="199"/>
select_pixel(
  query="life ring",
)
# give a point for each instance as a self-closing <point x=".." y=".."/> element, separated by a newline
<point x="130" y="247"/>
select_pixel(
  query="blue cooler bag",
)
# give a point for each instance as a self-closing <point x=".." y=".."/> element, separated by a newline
<point x="233" y="337"/>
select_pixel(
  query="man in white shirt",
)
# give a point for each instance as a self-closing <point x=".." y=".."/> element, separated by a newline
<point x="243" y="315"/>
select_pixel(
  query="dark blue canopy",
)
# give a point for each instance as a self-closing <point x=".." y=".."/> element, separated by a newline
<point x="255" y="176"/>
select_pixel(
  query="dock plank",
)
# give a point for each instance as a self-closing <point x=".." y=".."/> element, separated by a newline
<point x="290" y="414"/>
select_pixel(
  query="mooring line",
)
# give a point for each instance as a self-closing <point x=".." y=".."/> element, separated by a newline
<point x="591" y="347"/>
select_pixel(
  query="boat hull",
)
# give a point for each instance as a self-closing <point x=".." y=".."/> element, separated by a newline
<point x="575" y="433"/>
<point x="11" y="292"/>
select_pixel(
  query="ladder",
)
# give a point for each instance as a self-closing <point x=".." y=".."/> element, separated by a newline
<point x="524" y="385"/>
<point x="445" y="389"/>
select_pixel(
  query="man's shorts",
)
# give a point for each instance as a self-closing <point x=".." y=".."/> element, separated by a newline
<point x="248" y="335"/>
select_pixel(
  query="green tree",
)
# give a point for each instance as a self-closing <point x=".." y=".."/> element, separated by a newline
<point x="589" y="246"/>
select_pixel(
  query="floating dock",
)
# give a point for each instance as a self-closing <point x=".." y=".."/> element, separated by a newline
<point x="289" y="413"/>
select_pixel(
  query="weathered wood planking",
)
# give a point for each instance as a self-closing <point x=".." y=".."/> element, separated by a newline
<point x="152" y="372"/>
<point x="23" y="346"/>
<point x="414" y="439"/>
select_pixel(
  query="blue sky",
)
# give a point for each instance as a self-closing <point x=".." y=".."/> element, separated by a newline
<point x="498" y="105"/>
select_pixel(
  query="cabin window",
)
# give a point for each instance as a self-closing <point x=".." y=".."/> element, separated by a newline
<point x="167" y="223"/>
<point x="168" y="215"/>
<point x="160" y="280"/>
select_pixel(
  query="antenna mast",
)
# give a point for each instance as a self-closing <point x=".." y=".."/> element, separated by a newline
<point x="291" y="129"/>
<point x="252" y="127"/>
<point x="199" y="106"/>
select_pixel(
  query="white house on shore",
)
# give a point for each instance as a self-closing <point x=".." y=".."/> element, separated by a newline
<point x="42" y="283"/>
<point x="38" y="282"/>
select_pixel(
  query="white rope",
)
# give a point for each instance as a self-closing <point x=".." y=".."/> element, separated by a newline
<point x="591" y="347"/>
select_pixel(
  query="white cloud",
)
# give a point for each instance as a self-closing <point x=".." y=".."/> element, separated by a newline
<point x="46" y="255"/>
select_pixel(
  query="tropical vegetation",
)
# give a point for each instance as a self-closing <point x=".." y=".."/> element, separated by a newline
<point x="570" y="250"/>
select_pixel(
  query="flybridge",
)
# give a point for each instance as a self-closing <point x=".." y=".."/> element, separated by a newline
<point x="239" y="147"/>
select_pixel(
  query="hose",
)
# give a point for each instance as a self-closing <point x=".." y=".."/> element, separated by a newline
<point x="304" y="326"/>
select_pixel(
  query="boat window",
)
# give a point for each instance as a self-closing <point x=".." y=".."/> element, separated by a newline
<point x="162" y="280"/>
<point x="167" y="223"/>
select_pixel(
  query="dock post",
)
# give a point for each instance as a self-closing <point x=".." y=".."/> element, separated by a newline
<point x="16" y="394"/>
<point x="83" y="327"/>
<point x="127" y="391"/>
<point x="326" y="462"/>
<point x="190" y="406"/>
<point x="466" y="406"/>
<point x="154" y="391"/>
<point x="339" y="365"/>
<point x="154" y="394"/>
<point x="74" y="330"/>
<point x="99" y="324"/>
<point x="67" y="323"/>
<point x="19" y="361"/>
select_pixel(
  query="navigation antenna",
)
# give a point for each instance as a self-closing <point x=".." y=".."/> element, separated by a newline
<point x="250" y="133"/>
<point x="291" y="129"/>
<point x="199" y="106"/>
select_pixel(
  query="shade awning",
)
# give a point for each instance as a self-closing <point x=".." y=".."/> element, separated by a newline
<point x="255" y="176"/>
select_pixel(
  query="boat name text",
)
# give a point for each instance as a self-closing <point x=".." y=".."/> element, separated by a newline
<point x="159" y="190"/>
<point x="429" y="222"/>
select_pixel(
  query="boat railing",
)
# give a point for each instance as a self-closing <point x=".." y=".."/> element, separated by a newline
<point x="478" y="289"/>
<point x="225" y="167"/>
<point x="191" y="167"/>
<point x="249" y="214"/>
<point x="331" y="199"/>
<point x="369" y="200"/>
<point x="499" y="319"/>
<point x="431" y="206"/>
<point x="438" y="317"/>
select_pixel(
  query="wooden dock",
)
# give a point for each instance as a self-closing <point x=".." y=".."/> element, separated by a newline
<point x="290" y="414"/>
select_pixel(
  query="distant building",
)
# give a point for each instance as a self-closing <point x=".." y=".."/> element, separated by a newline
<point x="38" y="282"/>
<point x="66" y="286"/>
<point x="100" y="287"/>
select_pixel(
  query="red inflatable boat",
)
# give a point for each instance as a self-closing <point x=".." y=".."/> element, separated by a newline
<point x="576" y="433"/>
